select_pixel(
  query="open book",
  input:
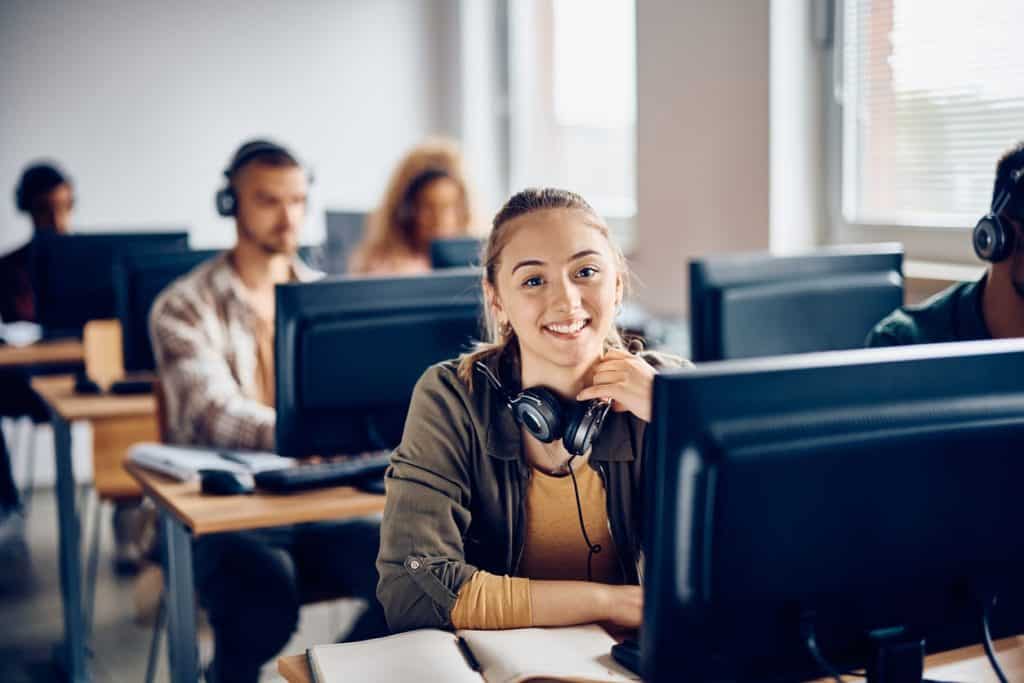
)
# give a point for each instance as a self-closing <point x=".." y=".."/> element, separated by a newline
<point x="576" y="653"/>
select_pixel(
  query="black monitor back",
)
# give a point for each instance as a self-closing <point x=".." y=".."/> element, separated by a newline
<point x="73" y="275"/>
<point x="345" y="230"/>
<point x="756" y="304"/>
<point x="853" y="491"/>
<point x="349" y="351"/>
<point x="138" y="281"/>
<point x="455" y="252"/>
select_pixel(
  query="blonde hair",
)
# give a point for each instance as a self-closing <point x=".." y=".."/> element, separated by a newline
<point x="528" y="201"/>
<point x="388" y="227"/>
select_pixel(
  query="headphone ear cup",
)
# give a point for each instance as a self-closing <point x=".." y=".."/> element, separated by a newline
<point x="992" y="241"/>
<point x="540" y="411"/>
<point x="582" y="426"/>
<point x="226" y="202"/>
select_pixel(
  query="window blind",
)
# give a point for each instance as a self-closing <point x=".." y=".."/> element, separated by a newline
<point x="932" y="94"/>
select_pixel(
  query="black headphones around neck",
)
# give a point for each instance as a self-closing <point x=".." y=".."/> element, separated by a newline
<point x="992" y="237"/>
<point x="548" y="418"/>
<point x="226" y="199"/>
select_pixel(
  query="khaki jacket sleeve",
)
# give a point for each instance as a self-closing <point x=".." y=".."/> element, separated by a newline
<point x="197" y="381"/>
<point x="421" y="562"/>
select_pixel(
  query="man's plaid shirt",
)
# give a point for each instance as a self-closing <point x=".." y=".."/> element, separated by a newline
<point x="202" y="330"/>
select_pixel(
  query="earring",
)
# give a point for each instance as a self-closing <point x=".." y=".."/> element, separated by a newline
<point x="505" y="328"/>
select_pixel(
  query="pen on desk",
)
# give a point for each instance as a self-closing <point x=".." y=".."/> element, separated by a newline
<point x="467" y="653"/>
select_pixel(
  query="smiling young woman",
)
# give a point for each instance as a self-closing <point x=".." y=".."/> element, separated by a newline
<point x="487" y="525"/>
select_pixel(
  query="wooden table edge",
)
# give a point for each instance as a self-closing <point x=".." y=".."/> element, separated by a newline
<point x="366" y="504"/>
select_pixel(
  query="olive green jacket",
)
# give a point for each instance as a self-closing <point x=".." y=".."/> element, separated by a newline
<point x="455" y="495"/>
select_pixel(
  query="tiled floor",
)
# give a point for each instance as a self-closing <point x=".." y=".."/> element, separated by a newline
<point x="30" y="615"/>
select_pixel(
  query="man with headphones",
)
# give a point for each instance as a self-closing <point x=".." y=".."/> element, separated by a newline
<point x="45" y="194"/>
<point x="213" y="340"/>
<point x="992" y="307"/>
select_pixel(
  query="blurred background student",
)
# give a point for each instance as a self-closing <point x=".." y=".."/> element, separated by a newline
<point x="427" y="198"/>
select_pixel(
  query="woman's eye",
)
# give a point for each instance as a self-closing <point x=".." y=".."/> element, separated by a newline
<point x="587" y="271"/>
<point x="534" y="281"/>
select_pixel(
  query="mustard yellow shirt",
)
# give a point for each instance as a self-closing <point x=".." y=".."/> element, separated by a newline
<point x="554" y="549"/>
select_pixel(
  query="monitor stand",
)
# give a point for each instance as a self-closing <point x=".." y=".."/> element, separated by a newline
<point x="898" y="657"/>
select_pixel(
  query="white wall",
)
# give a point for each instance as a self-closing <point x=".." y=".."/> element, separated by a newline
<point x="702" y="138"/>
<point x="143" y="102"/>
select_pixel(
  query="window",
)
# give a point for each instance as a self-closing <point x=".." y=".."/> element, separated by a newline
<point x="573" y="102"/>
<point x="932" y="93"/>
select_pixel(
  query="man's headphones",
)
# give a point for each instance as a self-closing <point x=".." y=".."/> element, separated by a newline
<point x="226" y="199"/>
<point x="547" y="418"/>
<point x="993" y="238"/>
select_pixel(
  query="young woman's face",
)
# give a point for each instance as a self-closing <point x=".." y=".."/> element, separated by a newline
<point x="439" y="211"/>
<point x="558" y="285"/>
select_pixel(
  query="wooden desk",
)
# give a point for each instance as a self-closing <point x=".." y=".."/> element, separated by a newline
<point x="117" y="422"/>
<point x="58" y="351"/>
<point x="186" y="514"/>
<point x="968" y="664"/>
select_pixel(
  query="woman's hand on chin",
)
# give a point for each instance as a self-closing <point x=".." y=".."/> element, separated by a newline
<point x="626" y="379"/>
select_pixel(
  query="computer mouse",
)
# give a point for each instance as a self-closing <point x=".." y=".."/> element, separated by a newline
<point x="224" y="483"/>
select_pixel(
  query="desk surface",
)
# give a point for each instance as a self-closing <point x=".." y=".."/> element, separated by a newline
<point x="206" y="514"/>
<point x="968" y="664"/>
<point x="42" y="352"/>
<point x="59" y="393"/>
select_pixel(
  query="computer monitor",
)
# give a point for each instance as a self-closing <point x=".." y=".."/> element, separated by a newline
<point x="756" y="304"/>
<point x="138" y="281"/>
<point x="455" y="252"/>
<point x="73" y="275"/>
<point x="844" y="495"/>
<point x="345" y="230"/>
<point x="348" y="352"/>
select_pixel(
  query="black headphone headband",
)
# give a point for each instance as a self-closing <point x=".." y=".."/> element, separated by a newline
<point x="225" y="199"/>
<point x="253" y="149"/>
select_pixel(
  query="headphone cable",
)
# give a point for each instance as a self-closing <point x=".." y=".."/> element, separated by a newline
<point x="592" y="548"/>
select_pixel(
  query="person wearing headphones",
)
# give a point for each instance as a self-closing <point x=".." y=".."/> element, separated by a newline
<point x="427" y="198"/>
<point x="514" y="498"/>
<point x="46" y="195"/>
<point x="992" y="307"/>
<point x="213" y="340"/>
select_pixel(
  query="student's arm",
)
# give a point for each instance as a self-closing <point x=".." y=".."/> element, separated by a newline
<point x="421" y="562"/>
<point x="488" y="601"/>
<point x="198" y="382"/>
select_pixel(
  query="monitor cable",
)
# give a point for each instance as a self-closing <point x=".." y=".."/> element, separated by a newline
<point x="811" y="641"/>
<point x="989" y="650"/>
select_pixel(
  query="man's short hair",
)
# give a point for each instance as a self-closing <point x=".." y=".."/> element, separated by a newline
<point x="260" y="152"/>
<point x="1011" y="161"/>
<point x="36" y="180"/>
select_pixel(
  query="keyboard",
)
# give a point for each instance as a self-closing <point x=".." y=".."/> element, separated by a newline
<point x="355" y="470"/>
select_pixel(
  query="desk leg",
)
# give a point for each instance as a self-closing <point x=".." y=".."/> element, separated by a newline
<point x="74" y="647"/>
<point x="182" y="649"/>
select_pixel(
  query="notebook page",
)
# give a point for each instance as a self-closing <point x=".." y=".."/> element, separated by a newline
<point x="424" y="655"/>
<point x="575" y="653"/>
